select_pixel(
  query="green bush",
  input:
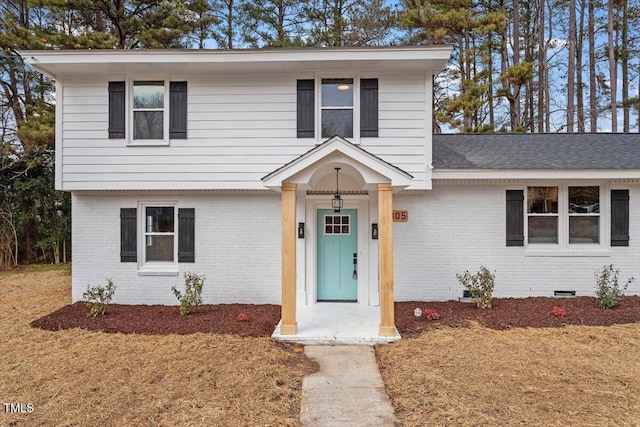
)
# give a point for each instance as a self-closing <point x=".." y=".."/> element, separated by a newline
<point x="608" y="288"/>
<point x="479" y="285"/>
<point x="98" y="297"/>
<point x="192" y="298"/>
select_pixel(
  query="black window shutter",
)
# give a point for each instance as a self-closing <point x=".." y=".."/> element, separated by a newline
<point x="515" y="218"/>
<point x="128" y="235"/>
<point x="306" y="108"/>
<point x="619" y="217"/>
<point x="369" y="107"/>
<point x="186" y="235"/>
<point x="116" y="110"/>
<point x="178" y="110"/>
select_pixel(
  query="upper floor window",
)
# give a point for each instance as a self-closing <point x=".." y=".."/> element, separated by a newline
<point x="148" y="110"/>
<point x="346" y="107"/>
<point x="155" y="115"/>
<point x="337" y="108"/>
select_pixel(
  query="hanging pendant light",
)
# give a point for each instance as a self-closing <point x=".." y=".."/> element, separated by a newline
<point x="337" y="202"/>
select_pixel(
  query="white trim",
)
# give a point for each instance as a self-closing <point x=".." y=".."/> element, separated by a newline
<point x="130" y="122"/>
<point x="59" y="146"/>
<point x="428" y="108"/>
<point x="563" y="247"/>
<point x="532" y="174"/>
<point x="409" y="58"/>
<point x="365" y="276"/>
<point x="318" y="104"/>
<point x="373" y="169"/>
<point x="156" y="268"/>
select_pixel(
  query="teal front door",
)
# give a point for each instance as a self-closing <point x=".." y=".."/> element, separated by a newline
<point x="337" y="255"/>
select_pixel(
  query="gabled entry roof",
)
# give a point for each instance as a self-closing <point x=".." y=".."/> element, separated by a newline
<point x="360" y="158"/>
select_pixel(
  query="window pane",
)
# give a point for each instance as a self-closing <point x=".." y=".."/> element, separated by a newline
<point x="543" y="229"/>
<point x="148" y="124"/>
<point x="542" y="199"/>
<point x="337" y="92"/>
<point x="159" y="248"/>
<point x="159" y="220"/>
<point x="148" y="94"/>
<point x="584" y="229"/>
<point x="337" y="122"/>
<point x="584" y="199"/>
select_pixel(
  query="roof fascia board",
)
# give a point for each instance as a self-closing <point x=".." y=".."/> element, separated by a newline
<point x="535" y="174"/>
<point x="53" y="62"/>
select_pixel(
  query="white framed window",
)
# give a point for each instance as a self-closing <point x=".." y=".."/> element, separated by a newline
<point x="149" y="112"/>
<point x="159" y="234"/>
<point x="564" y="216"/>
<point x="584" y="214"/>
<point x="542" y="214"/>
<point x="337" y="107"/>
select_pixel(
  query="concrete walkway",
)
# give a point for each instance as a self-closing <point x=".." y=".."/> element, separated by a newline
<point x="347" y="391"/>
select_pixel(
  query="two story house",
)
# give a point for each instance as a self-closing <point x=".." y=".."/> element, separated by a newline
<point x="307" y="176"/>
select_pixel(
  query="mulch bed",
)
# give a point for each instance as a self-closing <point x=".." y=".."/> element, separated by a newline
<point x="162" y="319"/>
<point x="506" y="313"/>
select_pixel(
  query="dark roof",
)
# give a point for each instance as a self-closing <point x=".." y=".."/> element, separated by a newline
<point x="537" y="151"/>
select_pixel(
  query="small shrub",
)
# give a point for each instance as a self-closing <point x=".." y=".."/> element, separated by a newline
<point x="479" y="285"/>
<point x="559" y="311"/>
<point x="192" y="298"/>
<point x="430" y="314"/>
<point x="242" y="317"/>
<point x="608" y="288"/>
<point x="98" y="297"/>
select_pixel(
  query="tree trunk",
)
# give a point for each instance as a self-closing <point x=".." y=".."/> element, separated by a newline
<point x="593" y="89"/>
<point x="613" y="68"/>
<point x="542" y="61"/>
<point x="571" y="70"/>
<point x="515" y="102"/>
<point x="579" y="83"/>
<point x="624" y="61"/>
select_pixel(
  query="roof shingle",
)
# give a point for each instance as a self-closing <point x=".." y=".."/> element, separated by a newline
<point x="536" y="151"/>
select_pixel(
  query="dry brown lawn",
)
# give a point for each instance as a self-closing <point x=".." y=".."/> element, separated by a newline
<point x="570" y="376"/>
<point x="80" y="378"/>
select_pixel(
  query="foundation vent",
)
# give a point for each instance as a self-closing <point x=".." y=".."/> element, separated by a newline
<point x="564" y="293"/>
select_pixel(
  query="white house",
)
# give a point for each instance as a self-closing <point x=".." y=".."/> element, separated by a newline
<point x="227" y="164"/>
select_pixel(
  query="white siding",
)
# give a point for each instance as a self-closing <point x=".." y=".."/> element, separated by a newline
<point x="453" y="228"/>
<point x="237" y="240"/>
<point x="240" y="128"/>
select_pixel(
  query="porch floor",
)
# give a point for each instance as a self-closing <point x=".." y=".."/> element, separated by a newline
<point x="336" y="324"/>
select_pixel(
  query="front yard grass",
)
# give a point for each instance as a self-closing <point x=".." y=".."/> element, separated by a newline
<point x="80" y="378"/>
<point x="568" y="376"/>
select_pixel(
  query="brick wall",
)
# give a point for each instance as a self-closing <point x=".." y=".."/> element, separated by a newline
<point x="454" y="227"/>
<point x="237" y="246"/>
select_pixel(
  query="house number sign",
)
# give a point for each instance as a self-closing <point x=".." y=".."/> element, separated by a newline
<point x="400" y="216"/>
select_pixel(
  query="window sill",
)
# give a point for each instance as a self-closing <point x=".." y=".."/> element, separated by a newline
<point x="147" y="143"/>
<point x="554" y="252"/>
<point x="157" y="271"/>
